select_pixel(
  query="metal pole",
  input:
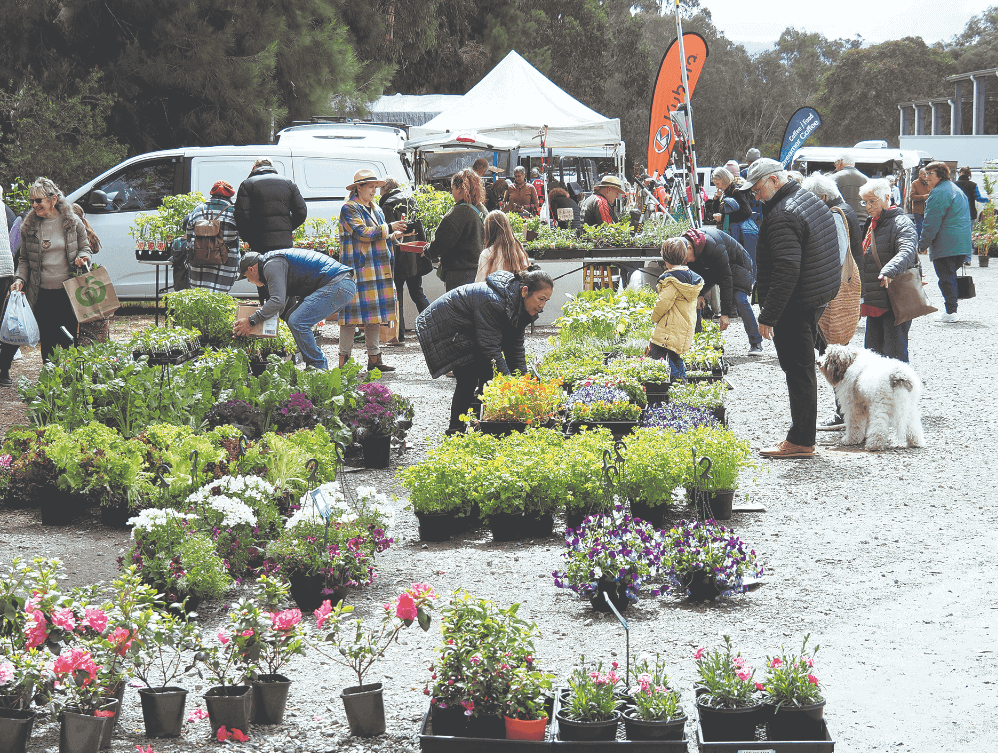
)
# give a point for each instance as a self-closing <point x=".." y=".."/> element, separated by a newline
<point x="695" y="186"/>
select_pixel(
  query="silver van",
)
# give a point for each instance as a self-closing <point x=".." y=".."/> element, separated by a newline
<point x="112" y="200"/>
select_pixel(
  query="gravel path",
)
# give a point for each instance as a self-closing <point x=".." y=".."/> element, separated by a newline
<point x="886" y="559"/>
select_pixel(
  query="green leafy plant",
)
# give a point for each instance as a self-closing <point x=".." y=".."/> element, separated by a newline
<point x="653" y="697"/>
<point x="659" y="228"/>
<point x="431" y="206"/>
<point x="168" y="220"/>
<point x="655" y="463"/>
<point x="525" y="698"/>
<point x="727" y="678"/>
<point x="728" y="455"/>
<point x="232" y="654"/>
<point x="790" y="678"/>
<point x="591" y="697"/>
<point x="446" y="480"/>
<point x="699" y="394"/>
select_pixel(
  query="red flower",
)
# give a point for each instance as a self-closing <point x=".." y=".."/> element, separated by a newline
<point x="222" y="735"/>
<point x="120" y="639"/>
<point x="239" y="736"/>
<point x="812" y="679"/>
<point x="101" y="712"/>
<point x="405" y="607"/>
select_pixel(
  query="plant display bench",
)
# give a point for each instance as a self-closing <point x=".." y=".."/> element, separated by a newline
<point x="430" y="743"/>
<point x="621" y="744"/>
<point x="168" y="263"/>
<point x="826" y="745"/>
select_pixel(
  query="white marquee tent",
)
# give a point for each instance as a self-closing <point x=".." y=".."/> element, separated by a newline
<point x="514" y="101"/>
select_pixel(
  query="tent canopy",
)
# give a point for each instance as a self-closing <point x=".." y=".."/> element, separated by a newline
<point x="514" y="101"/>
<point x="411" y="109"/>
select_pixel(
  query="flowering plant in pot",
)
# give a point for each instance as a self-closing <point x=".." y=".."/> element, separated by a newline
<point x="728" y="705"/>
<point x="601" y="402"/>
<point x="521" y="399"/>
<point x="793" y="694"/>
<point x="592" y="389"/>
<point x="728" y="455"/>
<point x="483" y="646"/>
<point x="374" y="415"/>
<point x="707" y="561"/>
<point x="81" y="700"/>
<point x="525" y="710"/>
<point x="614" y="554"/>
<point x="590" y="710"/>
<point x="655" y="713"/>
<point x="678" y="417"/>
<point x="350" y="644"/>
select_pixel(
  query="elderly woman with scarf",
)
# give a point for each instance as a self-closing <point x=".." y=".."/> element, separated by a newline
<point x="365" y="238"/>
<point x="53" y="242"/>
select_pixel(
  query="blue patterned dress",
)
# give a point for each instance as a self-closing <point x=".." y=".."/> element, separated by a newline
<point x="364" y="237"/>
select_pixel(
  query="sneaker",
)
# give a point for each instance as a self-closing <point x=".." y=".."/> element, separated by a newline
<point x="755" y="350"/>
<point x="835" y="423"/>
<point x="787" y="449"/>
<point x="6" y="381"/>
<point x="948" y="318"/>
<point x="18" y="355"/>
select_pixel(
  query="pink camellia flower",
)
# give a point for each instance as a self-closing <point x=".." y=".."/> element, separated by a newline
<point x="699" y="652"/>
<point x="322" y="613"/>
<point x="74" y="660"/>
<point x="405" y="607"/>
<point x="223" y="638"/>
<point x="286" y="620"/>
<point x="222" y="734"/>
<point x="743" y="675"/>
<point x="147" y="749"/>
<point x="6" y="672"/>
<point x="95" y="619"/>
<point x="103" y="713"/>
<point x="239" y="736"/>
<point x="64" y="618"/>
<point x="121" y="639"/>
<point x="812" y="679"/>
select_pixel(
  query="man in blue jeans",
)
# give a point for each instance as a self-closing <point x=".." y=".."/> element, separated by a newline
<point x="323" y="285"/>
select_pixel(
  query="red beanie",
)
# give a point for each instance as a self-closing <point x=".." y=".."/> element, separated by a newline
<point x="222" y="188"/>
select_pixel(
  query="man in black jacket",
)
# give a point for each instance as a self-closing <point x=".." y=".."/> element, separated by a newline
<point x="799" y="270"/>
<point x="269" y="208"/>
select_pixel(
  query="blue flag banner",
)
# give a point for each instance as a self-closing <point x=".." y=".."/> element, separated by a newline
<point x="802" y="124"/>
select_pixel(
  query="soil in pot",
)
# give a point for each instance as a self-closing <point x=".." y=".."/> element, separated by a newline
<point x="720" y="503"/>
<point x="795" y="722"/>
<point x="365" y="709"/>
<point x="435" y="526"/>
<point x="640" y="729"/>
<point x="720" y="725"/>
<point x="377" y="450"/>
<point x="270" y="697"/>
<point x="80" y="733"/>
<point x="163" y="710"/>
<point x="522" y="729"/>
<point x="587" y="731"/>
<point x="229" y="707"/>
<point x="615" y="591"/>
<point x="15" y="730"/>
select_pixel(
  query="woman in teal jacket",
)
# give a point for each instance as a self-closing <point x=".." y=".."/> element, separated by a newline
<point x="946" y="231"/>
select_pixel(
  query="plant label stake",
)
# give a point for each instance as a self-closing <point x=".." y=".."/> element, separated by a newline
<point x="627" y="638"/>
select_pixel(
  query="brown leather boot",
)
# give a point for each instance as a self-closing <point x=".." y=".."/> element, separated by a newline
<point x="375" y="362"/>
<point x="343" y="360"/>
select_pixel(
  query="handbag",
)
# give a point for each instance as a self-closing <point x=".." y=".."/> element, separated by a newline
<point x="841" y="316"/>
<point x="965" y="286"/>
<point x="907" y="294"/>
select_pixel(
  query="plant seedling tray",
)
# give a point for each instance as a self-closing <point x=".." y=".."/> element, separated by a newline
<point x="430" y="743"/>
<point x="826" y="745"/>
<point x="161" y="360"/>
<point x="621" y="744"/>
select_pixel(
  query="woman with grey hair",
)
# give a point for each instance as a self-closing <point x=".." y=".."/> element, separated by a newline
<point x="889" y="248"/>
<point x="53" y="241"/>
<point x="826" y="189"/>
<point x="733" y="195"/>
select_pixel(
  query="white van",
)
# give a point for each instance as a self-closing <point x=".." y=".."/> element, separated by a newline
<point x="112" y="200"/>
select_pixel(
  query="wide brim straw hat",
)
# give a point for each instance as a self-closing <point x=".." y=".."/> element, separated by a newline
<point x="365" y="178"/>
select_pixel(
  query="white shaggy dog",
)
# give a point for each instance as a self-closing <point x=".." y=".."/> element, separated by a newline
<point x="878" y="396"/>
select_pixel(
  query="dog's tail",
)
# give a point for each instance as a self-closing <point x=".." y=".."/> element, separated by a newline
<point x="901" y="379"/>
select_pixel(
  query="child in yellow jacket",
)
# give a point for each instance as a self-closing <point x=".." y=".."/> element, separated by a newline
<point x="675" y="312"/>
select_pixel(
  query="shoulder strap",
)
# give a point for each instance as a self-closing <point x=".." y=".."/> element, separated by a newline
<point x="873" y="246"/>
<point x="845" y="220"/>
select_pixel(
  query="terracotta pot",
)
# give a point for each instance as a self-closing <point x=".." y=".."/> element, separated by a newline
<point x="526" y="729"/>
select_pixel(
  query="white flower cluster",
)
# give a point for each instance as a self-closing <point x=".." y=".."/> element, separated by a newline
<point x="152" y="517"/>
<point x="249" y="489"/>
<point x="307" y="510"/>
<point x="234" y="512"/>
<point x="377" y="502"/>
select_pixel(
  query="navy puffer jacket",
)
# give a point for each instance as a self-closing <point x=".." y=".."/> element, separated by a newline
<point x="269" y="208"/>
<point x="722" y="261"/>
<point x="897" y="247"/>
<point x="798" y="253"/>
<point x="484" y="318"/>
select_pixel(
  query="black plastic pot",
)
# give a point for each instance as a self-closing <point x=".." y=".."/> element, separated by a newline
<point x="617" y="595"/>
<point x="80" y="733"/>
<point x="720" y="725"/>
<point x="377" y="450"/>
<point x="365" y="709"/>
<point x="229" y="707"/>
<point x="448" y="722"/>
<point x="487" y="726"/>
<point x="720" y="503"/>
<point x="163" y="710"/>
<point x="656" y="393"/>
<point x="306" y="590"/>
<point x="795" y="722"/>
<point x="587" y="731"/>
<point x="701" y="585"/>
<point x="617" y="428"/>
<point x="641" y="729"/>
<point x="434" y="526"/>
<point x="982" y="261"/>
<point x="513" y="526"/>
<point x="653" y="515"/>
<point x="270" y="697"/>
<point x="114" y="699"/>
<point x="15" y="730"/>
<point x="58" y="508"/>
<point x="574" y="518"/>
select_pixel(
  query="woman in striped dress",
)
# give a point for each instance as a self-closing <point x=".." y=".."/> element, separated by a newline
<point x="365" y="240"/>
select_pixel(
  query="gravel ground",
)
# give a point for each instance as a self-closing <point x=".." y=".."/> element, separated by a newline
<point x="873" y="554"/>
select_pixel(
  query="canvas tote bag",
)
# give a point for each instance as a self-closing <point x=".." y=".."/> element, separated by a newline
<point x="838" y="323"/>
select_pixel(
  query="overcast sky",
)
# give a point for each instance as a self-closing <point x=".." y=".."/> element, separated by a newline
<point x="759" y="24"/>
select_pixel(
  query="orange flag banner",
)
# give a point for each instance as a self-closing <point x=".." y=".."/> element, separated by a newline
<point x="669" y="95"/>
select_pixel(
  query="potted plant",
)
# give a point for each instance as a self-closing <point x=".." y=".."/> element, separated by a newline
<point x="351" y="645"/>
<point x="373" y="422"/>
<point x="728" y="707"/>
<point x="706" y="561"/>
<point x="655" y="713"/>
<point x="20" y="673"/>
<point x="728" y="456"/>
<point x="230" y="657"/>
<point x="514" y="402"/>
<point x="678" y="417"/>
<point x="710" y="396"/>
<point x="792" y="696"/>
<point x="282" y="639"/>
<point x="655" y="463"/>
<point x="590" y="711"/>
<point x="81" y="701"/>
<point x="531" y="227"/>
<point x="654" y="375"/>
<point x="606" y="403"/>
<point x="483" y="646"/>
<point x="612" y="555"/>
<point x="526" y="709"/>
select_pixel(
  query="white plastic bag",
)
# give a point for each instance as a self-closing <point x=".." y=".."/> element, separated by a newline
<point x="19" y="326"/>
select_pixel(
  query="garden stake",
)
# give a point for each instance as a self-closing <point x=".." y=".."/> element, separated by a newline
<point x="243" y="444"/>
<point x="160" y="479"/>
<point x="194" y="468"/>
<point x="700" y="504"/>
<point x="627" y="638"/>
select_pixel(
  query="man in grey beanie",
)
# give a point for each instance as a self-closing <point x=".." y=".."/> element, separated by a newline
<point x="798" y="262"/>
